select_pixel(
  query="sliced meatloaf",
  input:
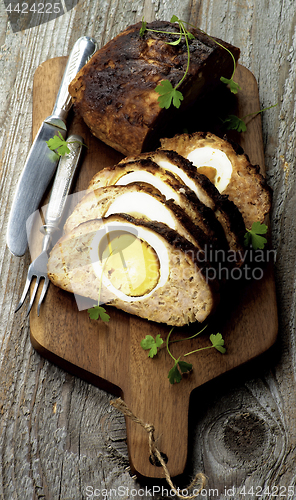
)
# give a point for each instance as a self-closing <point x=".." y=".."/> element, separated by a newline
<point x="140" y="201"/>
<point x="225" y="211"/>
<point x="171" y="186"/>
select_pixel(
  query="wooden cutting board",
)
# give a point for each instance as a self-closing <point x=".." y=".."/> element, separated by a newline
<point x="110" y="356"/>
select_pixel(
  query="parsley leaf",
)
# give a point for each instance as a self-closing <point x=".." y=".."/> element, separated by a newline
<point x="218" y="342"/>
<point x="172" y="95"/>
<point x="176" y="42"/>
<point x="167" y="94"/>
<point x="235" y="123"/>
<point x="58" y="144"/>
<point x="234" y="87"/>
<point x="184" y="367"/>
<point x="190" y="36"/>
<point x="143" y="27"/>
<point x="253" y="236"/>
<point x="174" y="374"/>
<point x="150" y="343"/>
<point x="97" y="312"/>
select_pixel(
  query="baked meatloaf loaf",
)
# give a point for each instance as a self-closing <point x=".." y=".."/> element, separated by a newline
<point x="115" y="91"/>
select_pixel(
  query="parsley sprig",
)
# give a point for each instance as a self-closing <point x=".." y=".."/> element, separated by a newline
<point x="60" y="145"/>
<point x="167" y="93"/>
<point x="233" y="122"/>
<point x="180" y="367"/>
<point x="254" y="236"/>
<point x="98" y="311"/>
<point x="152" y="344"/>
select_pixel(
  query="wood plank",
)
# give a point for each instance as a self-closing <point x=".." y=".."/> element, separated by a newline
<point x="110" y="355"/>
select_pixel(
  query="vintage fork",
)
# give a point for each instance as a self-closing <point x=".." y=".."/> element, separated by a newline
<point x="60" y="190"/>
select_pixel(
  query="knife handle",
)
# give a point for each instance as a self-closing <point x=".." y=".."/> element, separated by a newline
<point x="62" y="185"/>
<point x="81" y="52"/>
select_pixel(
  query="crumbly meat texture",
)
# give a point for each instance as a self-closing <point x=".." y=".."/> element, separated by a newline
<point x="185" y="297"/>
<point x="247" y="187"/>
<point x="115" y="91"/>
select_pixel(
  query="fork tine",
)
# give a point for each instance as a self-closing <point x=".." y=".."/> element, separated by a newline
<point x="33" y="295"/>
<point x="25" y="291"/>
<point x="43" y="293"/>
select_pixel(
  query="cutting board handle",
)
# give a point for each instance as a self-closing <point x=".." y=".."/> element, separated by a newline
<point x="147" y="426"/>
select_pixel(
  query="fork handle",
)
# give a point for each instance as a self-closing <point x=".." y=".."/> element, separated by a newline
<point x="62" y="185"/>
<point x="80" y="54"/>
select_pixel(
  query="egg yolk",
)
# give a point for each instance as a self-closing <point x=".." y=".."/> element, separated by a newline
<point x="130" y="264"/>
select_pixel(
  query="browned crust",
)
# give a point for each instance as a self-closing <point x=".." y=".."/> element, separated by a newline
<point x="115" y="91"/>
<point x="95" y="205"/>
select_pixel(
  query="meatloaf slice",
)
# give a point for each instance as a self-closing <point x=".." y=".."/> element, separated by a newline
<point x="115" y="91"/>
<point x="231" y="172"/>
<point x="182" y="294"/>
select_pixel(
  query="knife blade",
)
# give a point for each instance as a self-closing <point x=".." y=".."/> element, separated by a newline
<point x="41" y="163"/>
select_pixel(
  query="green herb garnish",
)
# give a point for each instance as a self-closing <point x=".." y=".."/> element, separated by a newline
<point x="168" y="93"/>
<point x="60" y="145"/>
<point x="97" y="312"/>
<point x="180" y="367"/>
<point x="235" y="123"/>
<point x="152" y="344"/>
<point x="218" y="342"/>
<point x="143" y="27"/>
<point x="253" y="236"/>
<point x="233" y="86"/>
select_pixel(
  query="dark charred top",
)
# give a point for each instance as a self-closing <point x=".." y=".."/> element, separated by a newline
<point x="129" y="62"/>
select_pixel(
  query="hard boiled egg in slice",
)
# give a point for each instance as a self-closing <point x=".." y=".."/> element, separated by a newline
<point x="213" y="163"/>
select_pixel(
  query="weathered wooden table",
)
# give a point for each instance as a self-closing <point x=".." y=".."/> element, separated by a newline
<point x="59" y="437"/>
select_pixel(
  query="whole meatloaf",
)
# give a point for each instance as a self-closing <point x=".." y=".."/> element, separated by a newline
<point x="115" y="91"/>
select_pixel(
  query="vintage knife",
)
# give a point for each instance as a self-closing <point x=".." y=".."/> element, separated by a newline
<point x="41" y="163"/>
